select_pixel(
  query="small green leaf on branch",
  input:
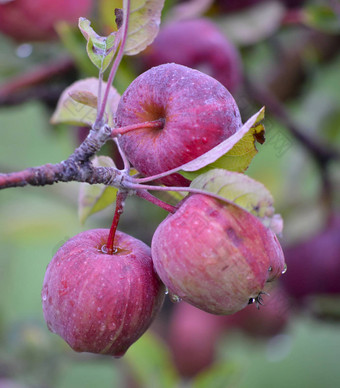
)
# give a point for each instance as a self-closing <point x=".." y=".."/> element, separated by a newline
<point x="100" y="49"/>
<point x="94" y="198"/>
<point x="233" y="154"/>
<point x="144" y="21"/>
<point x="77" y="104"/>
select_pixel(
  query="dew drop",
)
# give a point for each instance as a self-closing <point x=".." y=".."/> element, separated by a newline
<point x="166" y="291"/>
<point x="284" y="269"/>
<point x="204" y="140"/>
<point x="270" y="269"/>
<point x="44" y="297"/>
<point x="174" y="298"/>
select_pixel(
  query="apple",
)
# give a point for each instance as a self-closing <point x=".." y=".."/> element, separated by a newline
<point x="192" y="338"/>
<point x="215" y="256"/>
<point x="314" y="264"/>
<point x="199" y="44"/>
<point x="97" y="302"/>
<point x="34" y="20"/>
<point x="198" y="113"/>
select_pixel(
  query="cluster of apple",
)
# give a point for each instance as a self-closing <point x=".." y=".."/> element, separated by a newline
<point x="213" y="255"/>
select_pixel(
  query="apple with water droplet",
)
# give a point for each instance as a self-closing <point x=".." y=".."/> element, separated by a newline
<point x="197" y="113"/>
<point x="97" y="302"/>
<point x="215" y="256"/>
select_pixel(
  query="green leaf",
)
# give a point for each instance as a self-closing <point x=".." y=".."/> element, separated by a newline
<point x="78" y="103"/>
<point x="100" y="49"/>
<point x="144" y="21"/>
<point x="242" y="190"/>
<point x="150" y="363"/>
<point x="221" y="375"/>
<point x="94" y="198"/>
<point x="233" y="154"/>
<point x="322" y="17"/>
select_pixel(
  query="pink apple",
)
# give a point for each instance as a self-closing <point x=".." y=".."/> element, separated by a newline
<point x="34" y="20"/>
<point x="199" y="44"/>
<point x="97" y="302"/>
<point x="198" y="114"/>
<point x="193" y="336"/>
<point x="215" y="256"/>
<point x="314" y="264"/>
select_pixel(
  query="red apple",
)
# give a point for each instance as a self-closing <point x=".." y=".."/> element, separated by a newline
<point x="97" y="302"/>
<point x="34" y="20"/>
<point x="198" y="114"/>
<point x="314" y="264"/>
<point x="215" y="256"/>
<point x="199" y="44"/>
<point x="193" y="335"/>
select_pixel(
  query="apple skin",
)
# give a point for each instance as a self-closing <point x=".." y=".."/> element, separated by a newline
<point x="34" y="20"/>
<point x="198" y="114"/>
<point x="215" y="256"/>
<point x="192" y="338"/>
<point x="314" y="264"/>
<point x="212" y="53"/>
<point x="101" y="303"/>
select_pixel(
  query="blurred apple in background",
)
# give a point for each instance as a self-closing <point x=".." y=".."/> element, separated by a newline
<point x="197" y="43"/>
<point x="34" y="20"/>
<point x="314" y="264"/>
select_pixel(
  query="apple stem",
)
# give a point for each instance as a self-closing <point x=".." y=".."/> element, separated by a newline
<point x="192" y="190"/>
<point x="120" y="202"/>
<point x="155" y="124"/>
<point x="156" y="201"/>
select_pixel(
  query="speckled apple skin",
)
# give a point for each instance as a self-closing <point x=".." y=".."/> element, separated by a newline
<point x="101" y="303"/>
<point x="212" y="53"/>
<point x="214" y="256"/>
<point x="198" y="114"/>
<point x="34" y="20"/>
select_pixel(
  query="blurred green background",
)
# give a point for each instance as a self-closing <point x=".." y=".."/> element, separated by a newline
<point x="35" y="222"/>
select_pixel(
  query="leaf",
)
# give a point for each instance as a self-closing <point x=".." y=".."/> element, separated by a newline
<point x="154" y="370"/>
<point x="144" y="21"/>
<point x="251" y="195"/>
<point x="244" y="191"/>
<point x="234" y="154"/>
<point x="94" y="198"/>
<point x="84" y="97"/>
<point x="253" y="24"/>
<point x="322" y="17"/>
<point x="100" y="49"/>
<point x="221" y="375"/>
<point x="77" y="104"/>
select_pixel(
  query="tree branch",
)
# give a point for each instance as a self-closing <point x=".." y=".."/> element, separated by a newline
<point x="77" y="167"/>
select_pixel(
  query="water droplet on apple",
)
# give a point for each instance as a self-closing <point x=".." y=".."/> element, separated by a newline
<point x="204" y="140"/>
<point x="270" y="269"/>
<point x="174" y="298"/>
<point x="284" y="269"/>
<point x="44" y="297"/>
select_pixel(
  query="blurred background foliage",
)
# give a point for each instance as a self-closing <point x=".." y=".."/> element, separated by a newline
<point x="299" y="64"/>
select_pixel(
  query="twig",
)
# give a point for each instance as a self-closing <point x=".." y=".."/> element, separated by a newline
<point x="77" y="167"/>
